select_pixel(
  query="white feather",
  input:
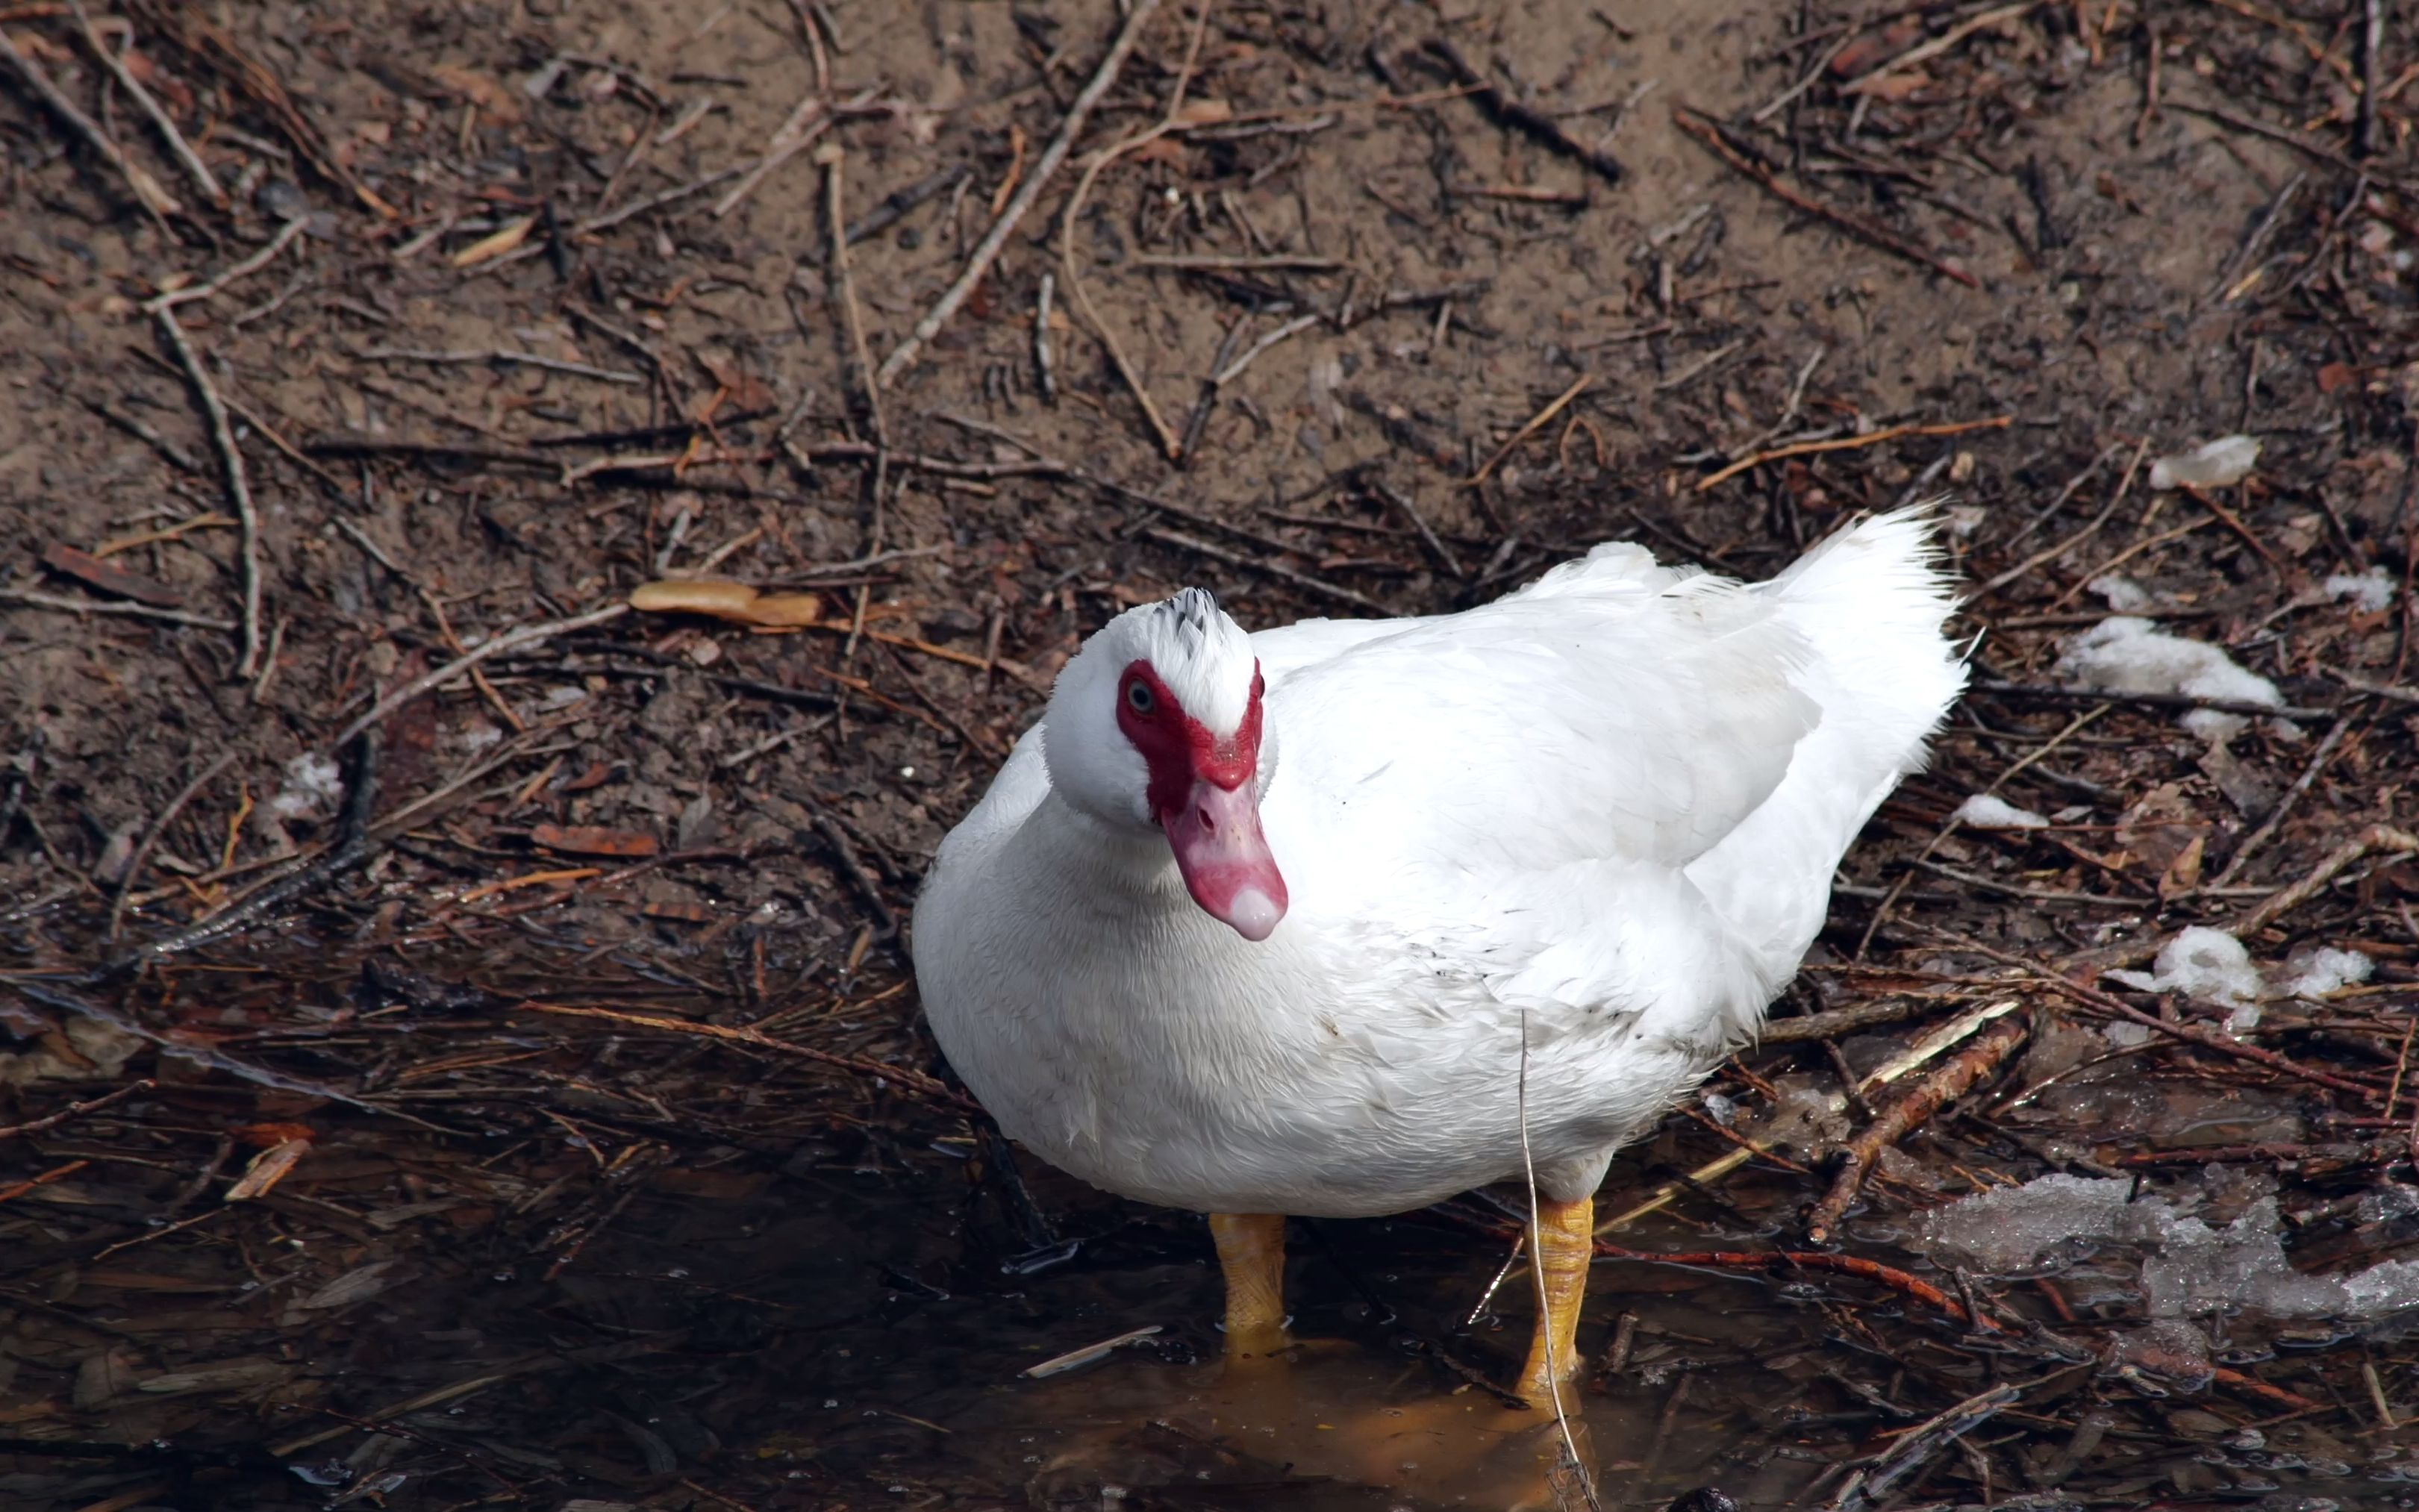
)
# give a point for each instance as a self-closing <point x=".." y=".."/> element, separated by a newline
<point x="1612" y="801"/>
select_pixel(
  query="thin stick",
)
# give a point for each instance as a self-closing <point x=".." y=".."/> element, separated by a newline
<point x="907" y="1078"/>
<point x="94" y="606"/>
<point x="1951" y="1080"/>
<point x="510" y="640"/>
<point x="147" y="188"/>
<point x="1847" y="443"/>
<point x="499" y="354"/>
<point x="151" y="837"/>
<point x="2268" y="825"/>
<point x="834" y="160"/>
<point x="1865" y="82"/>
<point x="76" y="1110"/>
<point x="1538" y="1275"/>
<point x="239" y="486"/>
<point x="994" y="240"/>
<point x="1887" y="240"/>
<point x="1536" y="423"/>
<point x="1042" y="362"/>
<point x="194" y="167"/>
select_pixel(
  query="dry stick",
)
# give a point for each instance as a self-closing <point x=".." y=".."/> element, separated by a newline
<point x="1083" y="300"/>
<point x="910" y="1079"/>
<point x="2372" y="43"/>
<point x="510" y="640"/>
<point x="194" y="167"/>
<point x="147" y="188"/>
<point x="1844" y="443"/>
<point x="1865" y="82"/>
<point x="1953" y="1080"/>
<point x="2268" y="825"/>
<point x="1302" y="580"/>
<point x="833" y="161"/>
<point x="1536" y="423"/>
<point x="1041" y="363"/>
<point x="2375" y="838"/>
<point x="1889" y="241"/>
<point x="76" y="1110"/>
<point x="989" y="249"/>
<point x="1511" y="111"/>
<point x="151" y="837"/>
<point x="94" y="606"/>
<point x="2052" y="553"/>
<point x="239" y="484"/>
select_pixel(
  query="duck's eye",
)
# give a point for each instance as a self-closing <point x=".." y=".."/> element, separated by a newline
<point x="1139" y="698"/>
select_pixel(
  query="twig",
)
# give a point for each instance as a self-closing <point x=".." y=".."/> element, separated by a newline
<point x="147" y="188"/>
<point x="511" y="639"/>
<point x="1864" y="83"/>
<point x="2268" y="825"/>
<point x="498" y="354"/>
<point x="94" y="606"/>
<point x="1871" y="1485"/>
<point x="2372" y="47"/>
<point x="1042" y="362"/>
<point x="834" y="162"/>
<point x="76" y="1110"/>
<point x="1512" y="112"/>
<point x="907" y="1078"/>
<point x="194" y="167"/>
<point x="1536" y="422"/>
<point x="1235" y="558"/>
<point x="1705" y="130"/>
<point x="151" y="837"/>
<point x="2375" y="838"/>
<point x="239" y="484"/>
<point x="988" y="250"/>
<point x="1950" y="1080"/>
<point x="2148" y="700"/>
<point x="2052" y="553"/>
<point x="1846" y="444"/>
<point x="1235" y="369"/>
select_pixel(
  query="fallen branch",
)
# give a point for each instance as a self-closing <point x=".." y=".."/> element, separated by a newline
<point x="1510" y="112"/>
<point x="1951" y="1080"/>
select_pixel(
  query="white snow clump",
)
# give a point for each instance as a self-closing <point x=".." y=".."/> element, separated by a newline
<point x="2126" y="654"/>
<point x="1984" y="811"/>
<point x="2371" y="591"/>
<point x="313" y="783"/>
<point x="2218" y="464"/>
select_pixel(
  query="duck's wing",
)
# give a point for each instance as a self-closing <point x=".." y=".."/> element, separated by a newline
<point x="1614" y="711"/>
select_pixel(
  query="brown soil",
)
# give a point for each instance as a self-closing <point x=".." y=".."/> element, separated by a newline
<point x="2070" y="239"/>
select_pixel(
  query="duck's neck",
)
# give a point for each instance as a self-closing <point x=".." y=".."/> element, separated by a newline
<point x="1118" y="869"/>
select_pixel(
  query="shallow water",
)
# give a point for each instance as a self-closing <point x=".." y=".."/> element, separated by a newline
<point x="636" y="1267"/>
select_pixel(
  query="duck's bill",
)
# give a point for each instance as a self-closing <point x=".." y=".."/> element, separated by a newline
<point x="1225" y="858"/>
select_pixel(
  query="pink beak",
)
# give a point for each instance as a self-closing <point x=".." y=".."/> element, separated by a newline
<point x="1225" y="858"/>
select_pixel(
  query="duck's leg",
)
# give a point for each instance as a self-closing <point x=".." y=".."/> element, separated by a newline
<point x="1563" y="1243"/>
<point x="1251" y="1250"/>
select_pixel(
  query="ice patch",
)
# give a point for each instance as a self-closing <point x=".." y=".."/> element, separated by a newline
<point x="2371" y="591"/>
<point x="2323" y="971"/>
<point x="2218" y="464"/>
<point x="2189" y="1269"/>
<point x="2126" y="654"/>
<point x="313" y="783"/>
<point x="2123" y="595"/>
<point x="1983" y="812"/>
<point x="2011" y="1229"/>
<point x="2211" y="966"/>
<point x="2206" y="965"/>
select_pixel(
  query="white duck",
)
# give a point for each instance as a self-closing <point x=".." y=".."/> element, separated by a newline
<point x="1297" y="922"/>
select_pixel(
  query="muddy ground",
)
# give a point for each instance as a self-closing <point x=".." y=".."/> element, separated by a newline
<point x="525" y="1104"/>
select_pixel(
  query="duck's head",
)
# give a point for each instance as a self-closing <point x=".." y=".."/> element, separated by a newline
<point x="1156" y="724"/>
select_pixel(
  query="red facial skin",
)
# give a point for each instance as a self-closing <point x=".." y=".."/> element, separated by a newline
<point x="1201" y="793"/>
